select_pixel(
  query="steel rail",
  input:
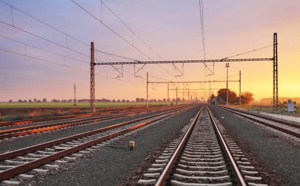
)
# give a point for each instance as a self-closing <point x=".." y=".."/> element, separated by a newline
<point x="58" y="125"/>
<point x="291" y="132"/>
<point x="109" y="110"/>
<point x="235" y="167"/>
<point x="37" y="163"/>
<point x="25" y="150"/>
<point x="165" y="174"/>
<point x="265" y="117"/>
<point x="53" y="126"/>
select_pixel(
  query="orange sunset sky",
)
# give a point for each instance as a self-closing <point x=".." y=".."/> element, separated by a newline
<point x="45" y="47"/>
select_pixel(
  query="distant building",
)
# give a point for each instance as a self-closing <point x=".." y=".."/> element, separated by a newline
<point x="217" y="100"/>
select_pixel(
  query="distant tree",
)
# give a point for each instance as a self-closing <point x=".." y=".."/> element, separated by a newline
<point x="56" y="100"/>
<point x="247" y="97"/>
<point x="164" y="100"/>
<point x="114" y="100"/>
<point x="25" y="100"/>
<point x="123" y="100"/>
<point x="118" y="101"/>
<point x="168" y="100"/>
<point x="127" y="100"/>
<point x="44" y="100"/>
<point x="20" y="101"/>
<point x="232" y="98"/>
<point x="35" y="100"/>
<point x="30" y="101"/>
<point x="10" y="101"/>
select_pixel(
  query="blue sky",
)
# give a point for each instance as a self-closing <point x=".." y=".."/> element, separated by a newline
<point x="43" y="64"/>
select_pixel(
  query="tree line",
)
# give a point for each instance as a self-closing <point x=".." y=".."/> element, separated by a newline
<point x="246" y="97"/>
<point x="44" y="100"/>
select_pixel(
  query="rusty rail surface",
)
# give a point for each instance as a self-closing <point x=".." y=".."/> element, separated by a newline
<point x="102" y="112"/>
<point x="246" y="115"/>
<point x="60" y="124"/>
<point x="6" y="174"/>
<point x="266" y="117"/>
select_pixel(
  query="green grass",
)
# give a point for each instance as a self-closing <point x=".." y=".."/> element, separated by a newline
<point x="78" y="105"/>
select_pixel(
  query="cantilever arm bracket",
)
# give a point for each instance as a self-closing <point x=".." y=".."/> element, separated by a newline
<point x="136" y="71"/>
<point x="119" y="70"/>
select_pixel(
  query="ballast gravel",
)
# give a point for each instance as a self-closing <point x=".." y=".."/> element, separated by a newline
<point x="113" y="164"/>
<point x="25" y="141"/>
<point x="274" y="156"/>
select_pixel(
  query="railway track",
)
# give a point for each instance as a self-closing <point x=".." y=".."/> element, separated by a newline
<point x="203" y="156"/>
<point x="51" y="154"/>
<point x="38" y="127"/>
<point x="287" y="127"/>
<point x="74" y="116"/>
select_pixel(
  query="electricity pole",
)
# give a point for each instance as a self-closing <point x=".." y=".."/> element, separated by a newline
<point x="227" y="66"/>
<point x="147" y="92"/>
<point x="176" y="95"/>
<point x="92" y="90"/>
<point x="240" y="88"/>
<point x="74" y="95"/>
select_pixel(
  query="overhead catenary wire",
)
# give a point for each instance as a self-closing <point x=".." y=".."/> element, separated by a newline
<point x="39" y="48"/>
<point x="203" y="35"/>
<point x="59" y="64"/>
<point x="247" y="52"/>
<point x="43" y="38"/>
<point x="68" y="35"/>
<point x="40" y="59"/>
<point x="43" y="22"/>
<point x="116" y="33"/>
<point x="52" y="27"/>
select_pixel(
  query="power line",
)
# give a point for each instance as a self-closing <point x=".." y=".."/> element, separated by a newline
<point x="26" y="44"/>
<point x="134" y="34"/>
<point x="112" y="30"/>
<point x="116" y="33"/>
<point x="203" y="35"/>
<point x="52" y="27"/>
<point x="243" y="53"/>
<point x="43" y="38"/>
<point x="59" y="64"/>
<point x="40" y="59"/>
<point x="43" y="22"/>
<point x="202" y="27"/>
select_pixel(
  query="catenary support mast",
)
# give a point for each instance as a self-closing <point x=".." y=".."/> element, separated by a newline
<point x="92" y="91"/>
<point x="275" y="74"/>
<point x="224" y="60"/>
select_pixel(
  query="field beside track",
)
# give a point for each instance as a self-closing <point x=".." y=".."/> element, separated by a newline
<point x="20" y="111"/>
<point x="4" y="105"/>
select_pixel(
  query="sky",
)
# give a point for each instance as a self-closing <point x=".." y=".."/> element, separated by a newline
<point x="45" y="47"/>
